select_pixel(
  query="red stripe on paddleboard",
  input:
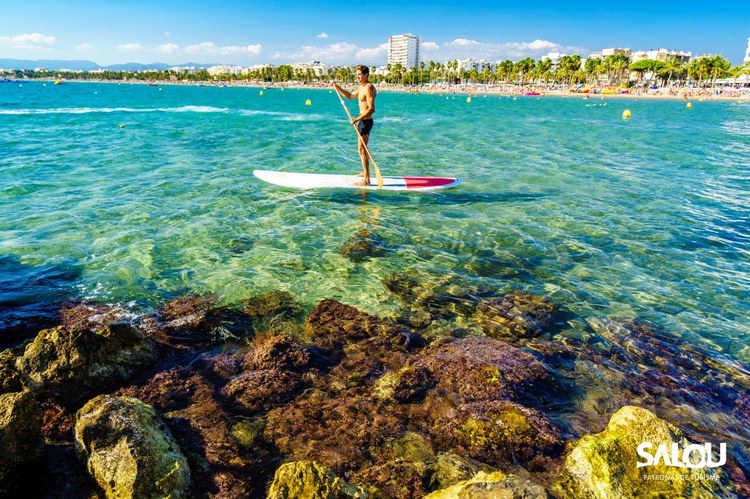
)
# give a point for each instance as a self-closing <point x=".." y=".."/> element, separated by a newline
<point x="422" y="182"/>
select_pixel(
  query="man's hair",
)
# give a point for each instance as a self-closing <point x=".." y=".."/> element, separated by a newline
<point x="363" y="68"/>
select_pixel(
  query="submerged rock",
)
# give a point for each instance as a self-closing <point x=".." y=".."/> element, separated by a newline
<point x="128" y="450"/>
<point x="341" y="431"/>
<point x="20" y="434"/>
<point x="310" y="480"/>
<point x="196" y="320"/>
<point x="500" y="433"/>
<point x="484" y="369"/>
<point x="264" y="389"/>
<point x="408" y="384"/>
<point x="443" y="297"/>
<point x="71" y="364"/>
<point x="605" y="465"/>
<point x="274" y="304"/>
<point x="515" y="316"/>
<point x="88" y="315"/>
<point x="277" y="352"/>
<point x="332" y="325"/>
<point x="364" y="244"/>
<point x="491" y="485"/>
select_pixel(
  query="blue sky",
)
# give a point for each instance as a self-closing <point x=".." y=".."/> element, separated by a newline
<point x="277" y="32"/>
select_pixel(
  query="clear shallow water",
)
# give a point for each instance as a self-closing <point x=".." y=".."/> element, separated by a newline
<point x="646" y="218"/>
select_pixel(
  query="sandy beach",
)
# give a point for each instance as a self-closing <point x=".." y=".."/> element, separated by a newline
<point x="503" y="90"/>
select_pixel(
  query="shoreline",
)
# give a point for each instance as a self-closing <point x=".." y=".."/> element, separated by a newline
<point x="502" y="90"/>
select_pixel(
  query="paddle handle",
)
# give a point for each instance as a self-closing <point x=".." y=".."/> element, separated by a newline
<point x="362" y="141"/>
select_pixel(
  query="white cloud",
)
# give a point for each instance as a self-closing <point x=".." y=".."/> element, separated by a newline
<point x="167" y="48"/>
<point x="84" y="47"/>
<point x="130" y="47"/>
<point x="463" y="48"/>
<point x="28" y="41"/>
<point x="379" y="52"/>
<point x="463" y="42"/>
<point x="542" y="45"/>
<point x="322" y="35"/>
<point x="335" y="52"/>
<point x="210" y="48"/>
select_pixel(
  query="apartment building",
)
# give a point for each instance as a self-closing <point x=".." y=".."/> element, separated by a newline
<point x="404" y="50"/>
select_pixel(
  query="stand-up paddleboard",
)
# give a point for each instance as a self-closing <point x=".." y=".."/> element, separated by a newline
<point x="330" y="181"/>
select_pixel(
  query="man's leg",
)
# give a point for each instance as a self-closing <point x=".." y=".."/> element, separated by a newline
<point x="365" y="160"/>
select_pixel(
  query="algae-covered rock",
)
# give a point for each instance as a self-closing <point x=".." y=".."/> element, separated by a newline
<point x="10" y="379"/>
<point x="278" y="304"/>
<point x="363" y="244"/>
<point x="484" y="369"/>
<point x="249" y="432"/>
<point x="20" y="433"/>
<point x="495" y="485"/>
<point x="89" y="315"/>
<point x="204" y="430"/>
<point x="196" y="320"/>
<point x="310" y="480"/>
<point x="500" y="432"/>
<point x="408" y="384"/>
<point x="262" y="389"/>
<point x="605" y="465"/>
<point x="516" y="315"/>
<point x="450" y="469"/>
<point x="397" y="478"/>
<point x="128" y="450"/>
<point x="71" y="364"/>
<point x="276" y="352"/>
<point x="333" y="325"/>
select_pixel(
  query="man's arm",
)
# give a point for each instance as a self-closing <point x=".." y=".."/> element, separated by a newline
<point x="345" y="93"/>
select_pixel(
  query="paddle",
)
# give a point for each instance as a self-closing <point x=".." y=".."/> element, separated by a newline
<point x="369" y="154"/>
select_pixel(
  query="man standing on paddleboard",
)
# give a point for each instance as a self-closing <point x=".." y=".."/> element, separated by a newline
<point x="365" y="94"/>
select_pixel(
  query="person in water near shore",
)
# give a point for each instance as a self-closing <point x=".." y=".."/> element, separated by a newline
<point x="365" y="94"/>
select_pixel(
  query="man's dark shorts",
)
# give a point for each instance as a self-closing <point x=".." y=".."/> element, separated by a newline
<point x="364" y="126"/>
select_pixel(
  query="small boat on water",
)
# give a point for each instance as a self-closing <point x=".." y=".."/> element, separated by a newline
<point x="58" y="81"/>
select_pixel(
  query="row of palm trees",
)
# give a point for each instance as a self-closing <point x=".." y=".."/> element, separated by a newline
<point x="613" y="69"/>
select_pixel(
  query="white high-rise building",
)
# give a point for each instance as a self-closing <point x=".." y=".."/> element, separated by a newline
<point x="747" y="51"/>
<point x="404" y="50"/>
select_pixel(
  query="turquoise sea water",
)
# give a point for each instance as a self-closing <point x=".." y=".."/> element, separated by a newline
<point x="135" y="195"/>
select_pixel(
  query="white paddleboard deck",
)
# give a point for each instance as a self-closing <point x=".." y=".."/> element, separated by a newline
<point x="330" y="181"/>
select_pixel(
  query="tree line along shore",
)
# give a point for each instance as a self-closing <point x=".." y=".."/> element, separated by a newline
<point x="571" y="70"/>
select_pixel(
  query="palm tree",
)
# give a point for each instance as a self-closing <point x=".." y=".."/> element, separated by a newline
<point x="672" y="66"/>
<point x="699" y="69"/>
<point x="618" y="64"/>
<point x="523" y="67"/>
<point x="593" y="69"/>
<point x="544" y="67"/>
<point x="718" y="68"/>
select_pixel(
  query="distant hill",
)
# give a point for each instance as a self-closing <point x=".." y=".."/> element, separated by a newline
<point x="57" y="65"/>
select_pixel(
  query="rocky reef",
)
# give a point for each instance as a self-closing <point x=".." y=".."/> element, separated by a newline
<point x="461" y="393"/>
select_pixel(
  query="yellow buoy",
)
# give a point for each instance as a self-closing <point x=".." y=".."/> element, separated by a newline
<point x="468" y="100"/>
<point x="626" y="114"/>
<point x="261" y="92"/>
<point x="308" y="102"/>
<point x="689" y="105"/>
